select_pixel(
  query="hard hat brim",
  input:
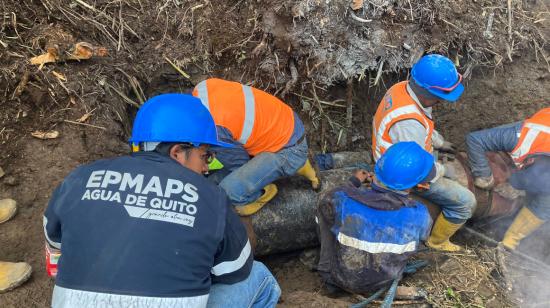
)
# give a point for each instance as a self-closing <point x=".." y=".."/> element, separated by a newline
<point x="223" y="144"/>
<point x="451" y="97"/>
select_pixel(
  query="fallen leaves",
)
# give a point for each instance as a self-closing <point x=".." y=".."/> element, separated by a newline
<point x="80" y="51"/>
<point x="52" y="134"/>
<point x="356" y="4"/>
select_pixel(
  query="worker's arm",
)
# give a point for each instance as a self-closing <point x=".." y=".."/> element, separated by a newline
<point x="502" y="138"/>
<point x="437" y="140"/>
<point x="234" y="258"/>
<point x="52" y="224"/>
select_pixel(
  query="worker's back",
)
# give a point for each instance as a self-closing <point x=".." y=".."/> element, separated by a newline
<point x="258" y="120"/>
<point x="144" y="227"/>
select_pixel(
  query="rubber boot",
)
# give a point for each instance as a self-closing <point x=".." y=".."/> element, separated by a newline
<point x="308" y="172"/>
<point x="441" y="233"/>
<point x="13" y="275"/>
<point x="8" y="207"/>
<point x="524" y="224"/>
<point x="270" y="191"/>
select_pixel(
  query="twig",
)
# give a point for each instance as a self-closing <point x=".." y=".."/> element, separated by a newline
<point x="359" y="19"/>
<point x="509" y="20"/>
<point x="349" y="111"/>
<point x="184" y="74"/>
<point x="379" y="73"/>
<point x="85" y="124"/>
<point x="451" y="24"/>
<point x="126" y="99"/>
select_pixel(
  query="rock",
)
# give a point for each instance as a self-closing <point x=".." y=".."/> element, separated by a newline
<point x="2" y="173"/>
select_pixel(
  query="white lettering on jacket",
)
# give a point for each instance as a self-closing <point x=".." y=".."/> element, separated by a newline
<point x="145" y="197"/>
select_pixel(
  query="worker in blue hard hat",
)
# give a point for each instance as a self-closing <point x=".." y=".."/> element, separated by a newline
<point x="148" y="229"/>
<point x="378" y="228"/>
<point x="405" y="114"/>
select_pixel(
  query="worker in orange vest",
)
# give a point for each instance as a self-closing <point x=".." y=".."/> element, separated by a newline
<point x="528" y="143"/>
<point x="269" y="140"/>
<point x="405" y="114"/>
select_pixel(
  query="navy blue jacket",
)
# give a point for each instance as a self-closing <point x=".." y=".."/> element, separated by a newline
<point x="144" y="225"/>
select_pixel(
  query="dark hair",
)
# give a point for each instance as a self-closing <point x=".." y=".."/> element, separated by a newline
<point x="419" y="91"/>
<point x="165" y="147"/>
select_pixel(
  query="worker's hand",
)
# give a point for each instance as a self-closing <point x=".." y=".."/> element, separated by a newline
<point x="363" y="175"/>
<point x="450" y="172"/>
<point x="447" y="147"/>
<point x="484" y="182"/>
<point x="507" y="191"/>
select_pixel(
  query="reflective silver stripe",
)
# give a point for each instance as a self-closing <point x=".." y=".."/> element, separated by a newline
<point x="70" y="298"/>
<point x="380" y="142"/>
<point x="235" y="265"/>
<point x="539" y="127"/>
<point x="52" y="243"/>
<point x="203" y="94"/>
<point x="533" y="131"/>
<point x="374" y="247"/>
<point x="249" y="114"/>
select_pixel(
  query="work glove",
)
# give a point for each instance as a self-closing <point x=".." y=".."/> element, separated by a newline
<point x="507" y="191"/>
<point x="450" y="172"/>
<point x="484" y="182"/>
<point x="447" y="147"/>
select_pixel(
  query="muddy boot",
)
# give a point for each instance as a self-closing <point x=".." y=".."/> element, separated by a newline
<point x="524" y="224"/>
<point x="7" y="209"/>
<point x="308" y="172"/>
<point x="441" y="232"/>
<point x="13" y="275"/>
<point x="270" y="191"/>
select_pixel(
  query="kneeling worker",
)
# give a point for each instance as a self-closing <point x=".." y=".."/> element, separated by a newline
<point x="528" y="143"/>
<point x="367" y="235"/>
<point x="269" y="141"/>
<point x="149" y="230"/>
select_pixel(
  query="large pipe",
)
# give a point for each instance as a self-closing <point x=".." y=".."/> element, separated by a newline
<point x="288" y="221"/>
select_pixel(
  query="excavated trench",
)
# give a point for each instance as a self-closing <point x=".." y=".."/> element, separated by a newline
<point x="330" y="65"/>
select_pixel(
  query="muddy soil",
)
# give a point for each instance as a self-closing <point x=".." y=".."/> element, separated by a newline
<point x="240" y="41"/>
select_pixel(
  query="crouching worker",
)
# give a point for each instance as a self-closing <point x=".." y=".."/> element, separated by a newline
<point x="148" y="229"/>
<point x="269" y="139"/>
<point x="367" y="234"/>
<point x="528" y="143"/>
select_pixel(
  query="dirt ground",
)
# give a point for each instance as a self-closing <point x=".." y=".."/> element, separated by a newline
<point x="248" y="42"/>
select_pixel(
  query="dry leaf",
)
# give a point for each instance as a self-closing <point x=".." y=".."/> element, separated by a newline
<point x="45" y="135"/>
<point x="84" y="118"/>
<point x="43" y="59"/>
<point x="356" y="4"/>
<point x="59" y="76"/>
<point x="82" y="51"/>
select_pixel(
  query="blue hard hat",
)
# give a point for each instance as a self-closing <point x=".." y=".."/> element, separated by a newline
<point x="175" y="118"/>
<point x="437" y="74"/>
<point x="403" y="166"/>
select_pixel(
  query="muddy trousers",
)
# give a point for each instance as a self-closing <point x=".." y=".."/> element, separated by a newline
<point x="457" y="203"/>
<point x="243" y="183"/>
<point x="539" y="204"/>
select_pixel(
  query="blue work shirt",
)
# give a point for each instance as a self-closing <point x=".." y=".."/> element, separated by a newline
<point x="144" y="225"/>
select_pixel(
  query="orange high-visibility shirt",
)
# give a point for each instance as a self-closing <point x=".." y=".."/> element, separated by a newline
<point x="256" y="119"/>
<point x="397" y="105"/>
<point x="534" y="137"/>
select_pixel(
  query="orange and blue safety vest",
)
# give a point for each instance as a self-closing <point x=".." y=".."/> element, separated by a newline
<point x="256" y="119"/>
<point x="397" y="105"/>
<point x="534" y="137"/>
